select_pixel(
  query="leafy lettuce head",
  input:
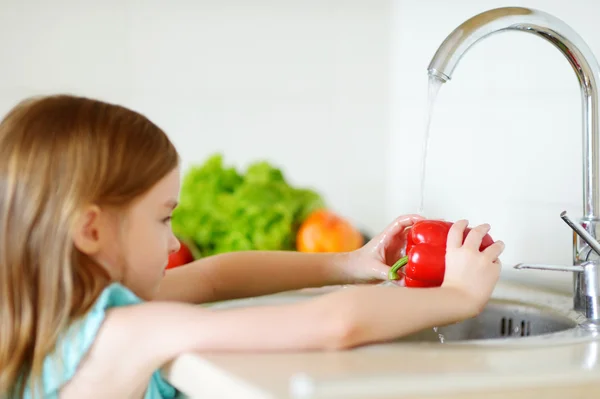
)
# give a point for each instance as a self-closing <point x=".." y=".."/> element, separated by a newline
<point x="222" y="210"/>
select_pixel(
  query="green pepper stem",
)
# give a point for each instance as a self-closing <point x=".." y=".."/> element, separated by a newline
<point x="393" y="273"/>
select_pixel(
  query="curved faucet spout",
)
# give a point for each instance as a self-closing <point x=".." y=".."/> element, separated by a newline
<point x="569" y="43"/>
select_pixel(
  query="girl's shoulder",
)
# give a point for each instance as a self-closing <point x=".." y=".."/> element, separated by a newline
<point x="73" y="345"/>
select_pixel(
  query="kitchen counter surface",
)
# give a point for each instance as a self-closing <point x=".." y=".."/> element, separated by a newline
<point x="529" y="369"/>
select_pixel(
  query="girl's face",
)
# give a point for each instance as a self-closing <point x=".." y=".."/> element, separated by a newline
<point x="134" y="245"/>
<point x="147" y="239"/>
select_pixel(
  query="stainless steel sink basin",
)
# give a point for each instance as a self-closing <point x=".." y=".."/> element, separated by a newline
<point x="499" y="320"/>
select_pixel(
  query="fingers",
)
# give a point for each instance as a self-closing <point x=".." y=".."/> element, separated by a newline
<point x="402" y="222"/>
<point x="475" y="236"/>
<point x="398" y="225"/>
<point x="494" y="251"/>
<point x="456" y="234"/>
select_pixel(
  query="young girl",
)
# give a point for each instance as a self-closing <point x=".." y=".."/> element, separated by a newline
<point x="87" y="311"/>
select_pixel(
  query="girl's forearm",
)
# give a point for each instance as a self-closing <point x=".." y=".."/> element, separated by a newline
<point x="344" y="319"/>
<point x="250" y="273"/>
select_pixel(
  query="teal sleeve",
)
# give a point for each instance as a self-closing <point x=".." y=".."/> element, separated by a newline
<point x="60" y="366"/>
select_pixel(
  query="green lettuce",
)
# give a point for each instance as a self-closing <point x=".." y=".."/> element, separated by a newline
<point x="223" y="210"/>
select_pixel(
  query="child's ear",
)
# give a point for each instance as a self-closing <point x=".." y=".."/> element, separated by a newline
<point x="87" y="231"/>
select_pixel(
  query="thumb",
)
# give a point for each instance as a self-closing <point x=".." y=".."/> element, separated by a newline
<point x="380" y="271"/>
<point x="373" y="271"/>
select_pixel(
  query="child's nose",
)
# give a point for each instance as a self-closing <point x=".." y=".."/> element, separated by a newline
<point x="174" y="244"/>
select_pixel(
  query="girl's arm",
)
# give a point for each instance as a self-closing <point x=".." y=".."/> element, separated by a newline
<point x="249" y="273"/>
<point x="137" y="340"/>
<point x="145" y="337"/>
<point x="253" y="273"/>
<point x="343" y="319"/>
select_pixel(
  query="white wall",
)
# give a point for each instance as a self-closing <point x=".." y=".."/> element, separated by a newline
<point x="294" y="82"/>
<point x="334" y="91"/>
<point x="506" y="131"/>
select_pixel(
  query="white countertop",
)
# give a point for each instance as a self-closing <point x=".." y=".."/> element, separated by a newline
<point x="399" y="369"/>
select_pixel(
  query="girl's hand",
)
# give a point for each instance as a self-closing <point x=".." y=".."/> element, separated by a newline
<point x="372" y="262"/>
<point x="468" y="270"/>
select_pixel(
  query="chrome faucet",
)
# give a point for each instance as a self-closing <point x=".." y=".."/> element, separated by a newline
<point x="586" y="249"/>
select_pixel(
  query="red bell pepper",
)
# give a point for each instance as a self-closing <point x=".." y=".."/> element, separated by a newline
<point x="425" y="258"/>
<point x="182" y="257"/>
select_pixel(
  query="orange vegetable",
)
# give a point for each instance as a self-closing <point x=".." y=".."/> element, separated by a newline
<point x="324" y="231"/>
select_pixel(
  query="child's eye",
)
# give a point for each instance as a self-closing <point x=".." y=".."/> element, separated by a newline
<point x="167" y="219"/>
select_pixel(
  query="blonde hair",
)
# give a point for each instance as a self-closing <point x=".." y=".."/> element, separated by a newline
<point x="57" y="155"/>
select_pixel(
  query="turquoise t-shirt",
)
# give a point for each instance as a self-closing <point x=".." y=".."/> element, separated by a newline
<point x="61" y="366"/>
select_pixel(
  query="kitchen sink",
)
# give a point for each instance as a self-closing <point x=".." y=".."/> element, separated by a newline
<point x="499" y="320"/>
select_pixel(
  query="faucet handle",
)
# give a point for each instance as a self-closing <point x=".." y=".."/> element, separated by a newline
<point x="585" y="236"/>
<point x="556" y="268"/>
<point x="581" y="232"/>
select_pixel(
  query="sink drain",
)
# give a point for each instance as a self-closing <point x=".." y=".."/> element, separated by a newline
<point x="509" y="328"/>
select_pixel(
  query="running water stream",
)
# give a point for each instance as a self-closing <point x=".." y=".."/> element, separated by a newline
<point x="434" y="88"/>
